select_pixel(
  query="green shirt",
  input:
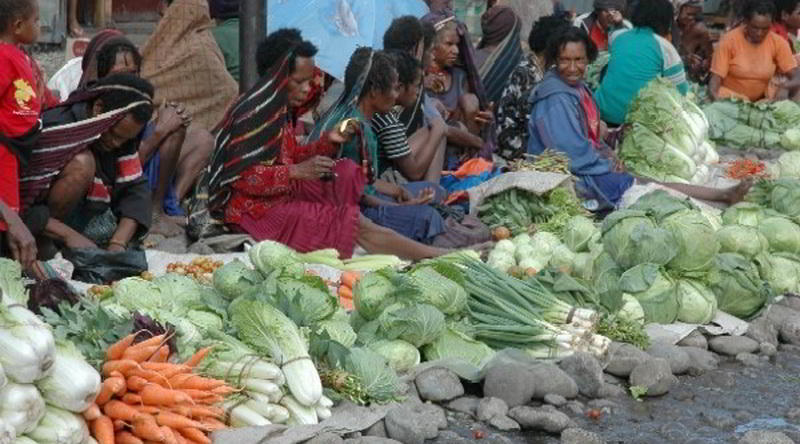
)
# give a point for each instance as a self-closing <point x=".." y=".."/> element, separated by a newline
<point x="351" y="149"/>
<point x="227" y="36"/>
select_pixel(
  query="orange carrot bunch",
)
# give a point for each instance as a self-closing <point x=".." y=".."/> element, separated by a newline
<point x="144" y="398"/>
<point x="347" y="283"/>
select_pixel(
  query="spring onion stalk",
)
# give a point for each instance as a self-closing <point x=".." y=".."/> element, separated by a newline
<point x="243" y="416"/>
<point x="261" y="386"/>
<point x="323" y="413"/>
<point x="299" y="414"/>
<point x="7" y="433"/>
<point x="275" y="414"/>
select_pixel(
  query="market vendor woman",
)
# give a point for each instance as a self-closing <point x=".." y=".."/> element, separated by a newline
<point x="750" y="56"/>
<point x="565" y="117"/>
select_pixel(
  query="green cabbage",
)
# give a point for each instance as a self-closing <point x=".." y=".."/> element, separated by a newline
<point x="579" y="232"/>
<point x="339" y="330"/>
<point x="401" y="355"/>
<point x="506" y="246"/>
<point x="310" y="299"/>
<point x="544" y="242"/>
<point x="785" y="197"/>
<point x="782" y="234"/>
<point x="441" y="284"/>
<point x="375" y="374"/>
<point x="781" y="271"/>
<point x="138" y="294"/>
<point x="455" y="344"/>
<point x="205" y="321"/>
<point x="373" y="293"/>
<point x="631" y="309"/>
<point x="418" y="324"/>
<point x="695" y="238"/>
<point x="743" y="213"/>
<point x="660" y="204"/>
<point x="605" y="278"/>
<point x="235" y="279"/>
<point x="737" y="285"/>
<point x="790" y="139"/>
<point x="698" y="305"/>
<point x="741" y="239"/>
<point x="631" y="238"/>
<point x="501" y="260"/>
<point x="654" y="290"/>
<point x="647" y="154"/>
<point x="789" y="165"/>
<point x="269" y="255"/>
<point x="562" y="259"/>
<point x="518" y="240"/>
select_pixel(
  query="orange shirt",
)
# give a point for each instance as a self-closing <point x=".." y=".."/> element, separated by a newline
<point x="746" y="69"/>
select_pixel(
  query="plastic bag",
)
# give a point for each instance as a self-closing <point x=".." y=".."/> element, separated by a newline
<point x="98" y="266"/>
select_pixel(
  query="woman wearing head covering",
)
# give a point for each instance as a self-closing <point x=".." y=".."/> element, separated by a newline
<point x="692" y="39"/>
<point x="500" y="51"/>
<point x="183" y="62"/>
<point x="602" y="21"/>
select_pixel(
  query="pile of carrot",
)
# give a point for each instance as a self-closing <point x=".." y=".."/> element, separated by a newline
<point x="145" y="399"/>
<point x="347" y="282"/>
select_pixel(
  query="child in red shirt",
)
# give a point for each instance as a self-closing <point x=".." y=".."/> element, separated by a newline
<point x="19" y="115"/>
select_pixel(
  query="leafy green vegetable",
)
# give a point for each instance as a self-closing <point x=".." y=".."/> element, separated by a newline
<point x="579" y="232"/>
<point x="419" y="324"/>
<point x="378" y="379"/>
<point x="695" y="238"/>
<point x="741" y="239"/>
<point x="781" y="271"/>
<point x="453" y="343"/>
<point x="631" y="310"/>
<point x="782" y="234"/>
<point x="789" y="165"/>
<point x="661" y="204"/>
<point x="379" y="289"/>
<point x="236" y="279"/>
<point x="622" y="329"/>
<point x="400" y="355"/>
<point x="698" y="305"/>
<point x="270" y="255"/>
<point x="631" y="238"/>
<point x="743" y="213"/>
<point x="605" y="277"/>
<point x="737" y="285"/>
<point x="339" y="330"/>
<point x="654" y="290"/>
<point x="306" y="300"/>
<point x="441" y="285"/>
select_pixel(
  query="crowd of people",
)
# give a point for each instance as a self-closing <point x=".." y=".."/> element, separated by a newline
<point x="157" y="139"/>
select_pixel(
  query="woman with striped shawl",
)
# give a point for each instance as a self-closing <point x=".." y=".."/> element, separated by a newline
<point x="83" y="186"/>
<point x="500" y="50"/>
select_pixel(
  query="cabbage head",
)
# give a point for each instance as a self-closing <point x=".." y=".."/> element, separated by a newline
<point x="309" y="298"/>
<point x="660" y="204"/>
<point x="606" y="274"/>
<point x="583" y="266"/>
<point x="270" y="255"/>
<point x="236" y="279"/>
<point x="369" y="333"/>
<point x="453" y="344"/>
<point x="631" y="309"/>
<point x="563" y="259"/>
<point x="373" y="293"/>
<point x="400" y="355"/>
<point x="135" y="293"/>
<point x="579" y="232"/>
<point x="782" y="234"/>
<point x="376" y="375"/>
<point x="790" y="139"/>
<point x="544" y="242"/>
<point x="695" y="238"/>
<point x="339" y="331"/>
<point x="741" y="239"/>
<point x="785" y="197"/>
<point x="781" y="271"/>
<point x="789" y="165"/>
<point x="743" y="213"/>
<point x="205" y="321"/>
<point x="418" y="324"/>
<point x="180" y="291"/>
<point x="698" y="305"/>
<point x="505" y="245"/>
<point x="737" y="285"/>
<point x="654" y="290"/>
<point x="441" y="284"/>
<point x="501" y="260"/>
<point x="520" y="239"/>
<point x="631" y="238"/>
<point x="713" y="216"/>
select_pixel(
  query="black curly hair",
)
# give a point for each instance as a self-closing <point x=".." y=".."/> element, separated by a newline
<point x="107" y="56"/>
<point x="280" y="42"/>
<point x="382" y="73"/>
<point x="753" y="8"/>
<point x="120" y="98"/>
<point x="11" y="10"/>
<point x="569" y="34"/>
<point x="404" y="34"/>
<point x="544" y="29"/>
<point x="657" y="15"/>
<point x="408" y="67"/>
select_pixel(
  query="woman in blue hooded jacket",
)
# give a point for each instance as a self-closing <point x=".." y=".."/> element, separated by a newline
<point x="565" y="117"/>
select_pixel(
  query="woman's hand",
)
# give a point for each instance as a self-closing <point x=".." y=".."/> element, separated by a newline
<point x="20" y="240"/>
<point x="343" y="131"/>
<point x="169" y="120"/>
<point x="312" y="169"/>
<point x="76" y="240"/>
<point x="485" y="117"/>
<point x="425" y="197"/>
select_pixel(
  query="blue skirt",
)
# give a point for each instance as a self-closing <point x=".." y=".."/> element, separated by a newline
<point x="421" y="223"/>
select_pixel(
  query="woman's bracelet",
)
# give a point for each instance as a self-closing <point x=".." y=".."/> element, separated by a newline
<point x="124" y="245"/>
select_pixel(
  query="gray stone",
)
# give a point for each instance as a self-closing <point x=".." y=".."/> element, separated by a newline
<point x="584" y="369"/>
<point x="733" y="345"/>
<point x="413" y="423"/>
<point x="580" y="436"/>
<point x="513" y="383"/>
<point x="575" y="407"/>
<point x="742" y="415"/>
<point x="552" y="380"/>
<point x="603" y="403"/>
<point x="762" y="329"/>
<point x="749" y="360"/>
<point x="326" y="438"/>
<point x="674" y="432"/>
<point x="721" y="421"/>
<point x="655" y="375"/>
<point x="488" y="408"/>
<point x="438" y="384"/>
<point x="538" y="419"/>
<point x="556" y="400"/>
<point x="451" y="437"/>
<point x="612" y="391"/>
<point x="465" y="404"/>
<point x="778" y="314"/>
<point x="372" y="440"/>
<point x="622" y="358"/>
<point x="767" y="349"/>
<point x="789" y="330"/>
<point x="504" y="423"/>
<point x="792" y="302"/>
<point x="378" y="429"/>
<point x="793" y="414"/>
<point x="700" y="360"/>
<point x="694" y="339"/>
<point x="765" y="437"/>
<point x="677" y="357"/>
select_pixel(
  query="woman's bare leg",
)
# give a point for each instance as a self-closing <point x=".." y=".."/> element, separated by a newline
<point x="380" y="240"/>
<point x="729" y="196"/>
<point x="434" y="173"/>
<point x="169" y="151"/>
<point x="74" y="29"/>
<point x="71" y="185"/>
<point x="470" y="106"/>
<point x="197" y="149"/>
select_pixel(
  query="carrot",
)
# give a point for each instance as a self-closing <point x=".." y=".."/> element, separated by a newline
<point x="151" y="376"/>
<point x="197" y="382"/>
<point x="223" y="390"/>
<point x="176" y="369"/>
<point x="345" y="293"/>
<point x="119" y="425"/>
<point x="198" y="411"/>
<point x="132" y="399"/>
<point x="155" y="395"/>
<point x="210" y="400"/>
<point x="147" y="409"/>
<point x="136" y="383"/>
<point x="195" y="435"/>
<point x="154" y="340"/>
<point x="140" y="354"/>
<point x="198" y="356"/>
<point x="178" y="380"/>
<point x="175" y="421"/>
<point x="169" y="435"/>
<point x="121" y="365"/>
<point x="119" y="410"/>
<point x="145" y="427"/>
<point x="92" y="413"/>
<point x="213" y="424"/>
<point x="350" y="278"/>
<point x="157" y="366"/>
<point x="180" y="438"/>
<point x="127" y="438"/>
<point x="116" y="350"/>
<point x="108" y="389"/>
<point x="160" y="355"/>
<point x="103" y="430"/>
<point x="197" y="394"/>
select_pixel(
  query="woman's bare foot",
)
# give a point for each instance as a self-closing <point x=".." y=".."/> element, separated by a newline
<point x="737" y="193"/>
<point x="75" y="30"/>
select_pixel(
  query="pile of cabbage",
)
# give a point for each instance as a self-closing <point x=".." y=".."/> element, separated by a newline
<point x="668" y="137"/>
<point x="529" y="254"/>
<point x="745" y="125"/>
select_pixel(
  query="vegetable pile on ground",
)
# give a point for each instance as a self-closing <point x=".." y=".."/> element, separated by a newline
<point x="549" y="161"/>
<point x="744" y="125"/>
<point x="524" y="212"/>
<point x="668" y="137"/>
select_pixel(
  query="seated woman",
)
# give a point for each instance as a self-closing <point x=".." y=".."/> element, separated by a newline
<point x="787" y="22"/>
<point x="83" y="186"/>
<point x="638" y="56"/>
<point x="565" y="117"/>
<point x="262" y="182"/>
<point x="605" y="18"/>
<point x="692" y="39"/>
<point x="173" y="150"/>
<point x="370" y="88"/>
<point x="514" y="107"/>
<point x="185" y="65"/>
<point x="749" y="56"/>
<point x="453" y="80"/>
<point x="500" y="49"/>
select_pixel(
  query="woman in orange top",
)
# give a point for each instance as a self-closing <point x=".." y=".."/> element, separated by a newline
<point x="749" y="56"/>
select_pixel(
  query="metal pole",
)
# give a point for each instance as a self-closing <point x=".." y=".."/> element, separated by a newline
<point x="252" y="29"/>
